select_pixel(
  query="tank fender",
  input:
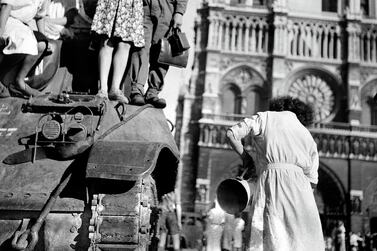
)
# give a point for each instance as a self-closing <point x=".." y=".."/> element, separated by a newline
<point x="124" y="160"/>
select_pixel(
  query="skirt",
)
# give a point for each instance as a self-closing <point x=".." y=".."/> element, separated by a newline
<point x="284" y="215"/>
<point x="120" y="18"/>
<point x="19" y="38"/>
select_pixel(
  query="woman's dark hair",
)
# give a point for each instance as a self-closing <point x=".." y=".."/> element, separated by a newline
<point x="304" y="112"/>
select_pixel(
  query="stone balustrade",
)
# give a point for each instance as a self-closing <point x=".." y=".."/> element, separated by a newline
<point x="368" y="42"/>
<point x="297" y="36"/>
<point x="334" y="140"/>
<point x="312" y="39"/>
<point x="238" y="34"/>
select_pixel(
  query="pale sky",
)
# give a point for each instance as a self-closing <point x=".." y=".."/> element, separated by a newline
<point x="177" y="78"/>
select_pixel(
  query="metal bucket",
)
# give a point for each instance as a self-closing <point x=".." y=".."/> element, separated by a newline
<point x="233" y="195"/>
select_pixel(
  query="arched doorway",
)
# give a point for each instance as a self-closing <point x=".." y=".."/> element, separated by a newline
<point x="330" y="198"/>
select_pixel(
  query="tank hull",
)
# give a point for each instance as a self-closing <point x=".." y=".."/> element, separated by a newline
<point x="114" y="178"/>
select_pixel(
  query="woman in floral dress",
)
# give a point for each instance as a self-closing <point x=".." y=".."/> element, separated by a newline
<point x="119" y="23"/>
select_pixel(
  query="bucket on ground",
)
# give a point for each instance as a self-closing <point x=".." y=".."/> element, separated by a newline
<point x="233" y="195"/>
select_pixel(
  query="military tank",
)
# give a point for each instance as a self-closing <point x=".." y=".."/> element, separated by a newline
<point x="81" y="173"/>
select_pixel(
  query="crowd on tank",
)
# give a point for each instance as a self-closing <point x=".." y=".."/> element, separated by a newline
<point x="124" y="34"/>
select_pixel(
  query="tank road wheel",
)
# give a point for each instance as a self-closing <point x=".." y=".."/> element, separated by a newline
<point x="151" y="192"/>
<point x="125" y="220"/>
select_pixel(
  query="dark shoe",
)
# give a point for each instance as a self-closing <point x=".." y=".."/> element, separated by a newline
<point x="157" y="102"/>
<point x="137" y="99"/>
<point x="4" y="93"/>
<point x="117" y="95"/>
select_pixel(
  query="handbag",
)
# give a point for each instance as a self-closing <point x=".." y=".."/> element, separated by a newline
<point x="174" y="49"/>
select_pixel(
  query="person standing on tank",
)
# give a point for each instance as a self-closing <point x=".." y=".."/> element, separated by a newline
<point x="284" y="215"/>
<point x="159" y="17"/>
<point x="119" y="25"/>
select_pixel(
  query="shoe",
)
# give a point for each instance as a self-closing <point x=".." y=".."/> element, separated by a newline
<point x="4" y="93"/>
<point x="102" y="94"/>
<point x="117" y="95"/>
<point x="157" y="102"/>
<point x="137" y="99"/>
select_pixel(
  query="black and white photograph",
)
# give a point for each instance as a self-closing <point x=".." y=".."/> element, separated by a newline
<point x="188" y="125"/>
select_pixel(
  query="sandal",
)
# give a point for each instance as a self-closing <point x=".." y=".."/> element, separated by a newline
<point x="24" y="93"/>
<point x="117" y="95"/>
<point x="102" y="94"/>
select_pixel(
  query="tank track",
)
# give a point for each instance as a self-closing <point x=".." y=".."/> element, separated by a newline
<point x="123" y="221"/>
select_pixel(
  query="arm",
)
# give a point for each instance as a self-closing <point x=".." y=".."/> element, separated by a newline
<point x="179" y="216"/>
<point x="178" y="209"/>
<point x="312" y="172"/>
<point x="179" y="11"/>
<point x="237" y="146"/>
<point x="4" y="15"/>
<point x="60" y="21"/>
<point x="41" y="15"/>
<point x="41" y="25"/>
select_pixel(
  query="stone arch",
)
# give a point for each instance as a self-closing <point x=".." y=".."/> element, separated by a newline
<point x="247" y="79"/>
<point x="367" y="103"/>
<point x="318" y="87"/>
<point x="333" y="206"/>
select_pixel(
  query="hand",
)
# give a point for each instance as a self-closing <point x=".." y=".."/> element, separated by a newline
<point x="2" y="42"/>
<point x="247" y="160"/>
<point x="179" y="225"/>
<point x="177" y="20"/>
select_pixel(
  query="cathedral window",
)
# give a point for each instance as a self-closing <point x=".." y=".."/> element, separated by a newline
<point x="330" y="5"/>
<point x="253" y="102"/>
<point x="231" y="100"/>
<point x="373" y="109"/>
<point x="258" y="2"/>
<point x="364" y="5"/>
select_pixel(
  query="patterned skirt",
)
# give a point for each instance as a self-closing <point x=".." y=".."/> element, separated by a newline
<point x="120" y="18"/>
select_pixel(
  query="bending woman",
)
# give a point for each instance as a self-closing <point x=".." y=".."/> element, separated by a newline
<point x="284" y="212"/>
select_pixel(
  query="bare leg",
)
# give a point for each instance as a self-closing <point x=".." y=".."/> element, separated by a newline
<point x="27" y="64"/>
<point x="176" y="241"/>
<point x="119" y="64"/>
<point x="162" y="243"/>
<point x="104" y="63"/>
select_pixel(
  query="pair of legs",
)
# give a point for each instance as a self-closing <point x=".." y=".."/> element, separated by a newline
<point x="16" y="67"/>
<point x="144" y="65"/>
<point x="162" y="243"/>
<point x="29" y="62"/>
<point x="168" y="223"/>
<point x="118" y="60"/>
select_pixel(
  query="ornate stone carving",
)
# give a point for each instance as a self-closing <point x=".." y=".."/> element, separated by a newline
<point x="243" y="76"/>
<point x="313" y="90"/>
<point x="354" y="98"/>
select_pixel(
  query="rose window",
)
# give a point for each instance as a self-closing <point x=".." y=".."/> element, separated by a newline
<point x="313" y="90"/>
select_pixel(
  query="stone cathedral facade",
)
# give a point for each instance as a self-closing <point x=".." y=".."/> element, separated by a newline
<point x="322" y="52"/>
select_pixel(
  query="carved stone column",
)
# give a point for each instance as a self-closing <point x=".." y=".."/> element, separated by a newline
<point x="247" y="34"/>
<point x="353" y="73"/>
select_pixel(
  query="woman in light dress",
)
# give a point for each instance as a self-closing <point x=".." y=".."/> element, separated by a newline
<point x="239" y="226"/>
<point x="214" y="227"/>
<point x="119" y="23"/>
<point x="285" y="163"/>
<point x="18" y="38"/>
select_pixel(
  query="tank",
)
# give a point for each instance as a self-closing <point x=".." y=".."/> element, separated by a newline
<point x="81" y="173"/>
